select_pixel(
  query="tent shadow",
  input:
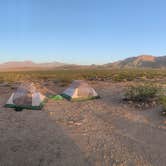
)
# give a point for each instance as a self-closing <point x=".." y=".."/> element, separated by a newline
<point x="18" y="109"/>
<point x="34" y="139"/>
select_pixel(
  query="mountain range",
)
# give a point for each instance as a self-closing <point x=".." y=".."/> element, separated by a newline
<point x="142" y="61"/>
<point x="29" y="65"/>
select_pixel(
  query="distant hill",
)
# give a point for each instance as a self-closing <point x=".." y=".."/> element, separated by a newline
<point x="29" y="65"/>
<point x="142" y="61"/>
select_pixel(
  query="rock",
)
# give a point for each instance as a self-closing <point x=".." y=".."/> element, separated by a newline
<point x="164" y="113"/>
<point x="84" y="134"/>
<point x="71" y="122"/>
<point x="130" y="102"/>
<point x="153" y="103"/>
<point x="146" y="105"/>
<point x="78" y="124"/>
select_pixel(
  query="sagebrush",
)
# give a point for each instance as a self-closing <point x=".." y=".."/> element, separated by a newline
<point x="143" y="92"/>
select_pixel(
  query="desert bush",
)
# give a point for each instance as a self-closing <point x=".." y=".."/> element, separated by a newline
<point x="143" y="92"/>
<point x="117" y="75"/>
<point x="162" y="100"/>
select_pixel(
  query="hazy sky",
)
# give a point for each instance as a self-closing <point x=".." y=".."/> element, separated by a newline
<point x="81" y="31"/>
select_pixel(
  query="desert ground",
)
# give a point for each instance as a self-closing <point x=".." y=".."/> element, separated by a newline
<point x="101" y="132"/>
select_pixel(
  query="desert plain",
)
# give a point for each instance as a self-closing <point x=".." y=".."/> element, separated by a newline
<point x="100" y="132"/>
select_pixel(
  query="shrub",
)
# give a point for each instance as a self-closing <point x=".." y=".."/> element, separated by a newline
<point x="144" y="92"/>
<point x="117" y="75"/>
<point x="162" y="101"/>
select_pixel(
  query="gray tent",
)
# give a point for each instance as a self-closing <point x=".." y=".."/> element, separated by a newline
<point x="26" y="96"/>
<point x="79" y="90"/>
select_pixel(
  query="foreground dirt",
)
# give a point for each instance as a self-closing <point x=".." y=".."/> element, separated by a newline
<point x="103" y="132"/>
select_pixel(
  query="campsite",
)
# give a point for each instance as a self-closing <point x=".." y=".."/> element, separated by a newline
<point x="82" y="83"/>
<point x="104" y="131"/>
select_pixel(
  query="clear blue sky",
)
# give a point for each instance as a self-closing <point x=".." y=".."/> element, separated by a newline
<point x="81" y="31"/>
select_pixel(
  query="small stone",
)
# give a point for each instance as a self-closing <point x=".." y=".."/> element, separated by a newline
<point x="71" y="122"/>
<point x="163" y="112"/>
<point x="154" y="103"/>
<point x="146" y="105"/>
<point x="84" y="134"/>
<point x="78" y="124"/>
<point x="139" y="105"/>
<point x="130" y="102"/>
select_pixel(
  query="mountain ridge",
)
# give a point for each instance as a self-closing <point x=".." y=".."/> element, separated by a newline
<point x="29" y="64"/>
<point x="141" y="61"/>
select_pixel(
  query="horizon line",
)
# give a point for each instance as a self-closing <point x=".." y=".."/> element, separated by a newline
<point x="68" y="63"/>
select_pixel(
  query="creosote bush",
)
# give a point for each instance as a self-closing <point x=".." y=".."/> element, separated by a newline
<point x="162" y="101"/>
<point x="142" y="93"/>
<point x="96" y="74"/>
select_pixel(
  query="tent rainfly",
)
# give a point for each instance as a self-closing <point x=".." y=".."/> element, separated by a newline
<point x="26" y="96"/>
<point x="79" y="90"/>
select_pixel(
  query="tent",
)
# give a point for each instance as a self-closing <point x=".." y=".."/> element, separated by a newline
<point x="79" y="90"/>
<point x="26" y="96"/>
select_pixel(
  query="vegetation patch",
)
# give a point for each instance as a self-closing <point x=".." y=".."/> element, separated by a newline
<point x="143" y="92"/>
<point x="66" y="76"/>
<point x="162" y="101"/>
<point x="143" y="95"/>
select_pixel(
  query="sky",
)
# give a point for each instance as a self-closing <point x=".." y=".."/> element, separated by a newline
<point x="81" y="31"/>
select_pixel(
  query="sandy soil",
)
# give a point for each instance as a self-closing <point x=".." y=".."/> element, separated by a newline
<point x="103" y="132"/>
